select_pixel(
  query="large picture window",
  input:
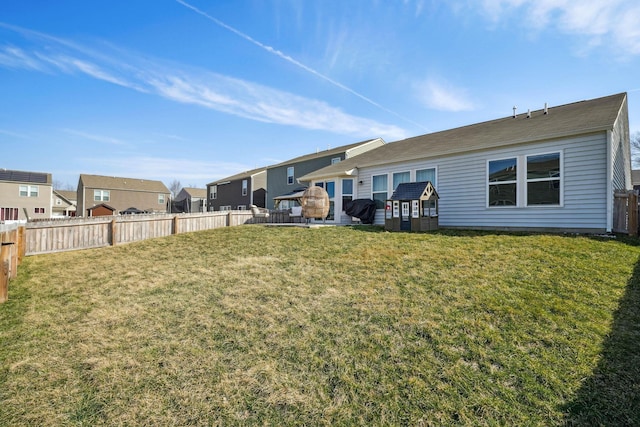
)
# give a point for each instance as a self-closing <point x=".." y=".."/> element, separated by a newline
<point x="528" y="180"/>
<point x="503" y="179"/>
<point x="543" y="179"/>
<point x="213" y="192"/>
<point x="379" y="190"/>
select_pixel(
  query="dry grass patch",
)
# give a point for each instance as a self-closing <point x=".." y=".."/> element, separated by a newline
<point x="288" y="326"/>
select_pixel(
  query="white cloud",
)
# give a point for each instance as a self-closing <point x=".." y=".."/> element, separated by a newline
<point x="613" y="22"/>
<point x="94" y="137"/>
<point x="206" y="89"/>
<point x="442" y="96"/>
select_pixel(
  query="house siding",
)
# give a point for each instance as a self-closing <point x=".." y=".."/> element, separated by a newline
<point x="10" y="198"/>
<point x="461" y="183"/>
<point x="124" y="199"/>
<point x="277" y="176"/>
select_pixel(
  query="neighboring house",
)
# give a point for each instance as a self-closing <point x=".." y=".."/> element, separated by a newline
<point x="190" y="200"/>
<point x="553" y="169"/>
<point x="24" y="195"/>
<point x="635" y="179"/>
<point x="284" y="178"/>
<point x="64" y="203"/>
<point x="121" y="194"/>
<point x="238" y="192"/>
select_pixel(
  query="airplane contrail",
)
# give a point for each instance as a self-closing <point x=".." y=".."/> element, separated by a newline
<point x="295" y="62"/>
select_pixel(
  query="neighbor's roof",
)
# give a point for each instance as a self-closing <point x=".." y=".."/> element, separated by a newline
<point x="22" y="176"/>
<point x="196" y="192"/>
<point x="117" y="183"/>
<point x="635" y="177"/>
<point x="68" y="195"/>
<point x="323" y="153"/>
<point x="241" y="175"/>
<point x="561" y="121"/>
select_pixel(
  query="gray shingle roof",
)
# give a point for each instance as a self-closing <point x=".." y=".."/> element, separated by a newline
<point x="118" y="183"/>
<point x="241" y="175"/>
<point x="565" y="120"/>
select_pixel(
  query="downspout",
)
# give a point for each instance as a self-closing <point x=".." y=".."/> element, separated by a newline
<point x="609" y="182"/>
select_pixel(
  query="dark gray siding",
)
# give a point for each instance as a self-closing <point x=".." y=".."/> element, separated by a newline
<point x="277" y="176"/>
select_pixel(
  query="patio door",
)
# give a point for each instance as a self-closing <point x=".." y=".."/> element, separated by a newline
<point x="330" y="188"/>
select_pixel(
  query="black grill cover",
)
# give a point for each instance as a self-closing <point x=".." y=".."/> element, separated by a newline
<point x="364" y="209"/>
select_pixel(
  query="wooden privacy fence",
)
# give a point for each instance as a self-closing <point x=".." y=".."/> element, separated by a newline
<point x="12" y="250"/>
<point x="625" y="212"/>
<point x="84" y="233"/>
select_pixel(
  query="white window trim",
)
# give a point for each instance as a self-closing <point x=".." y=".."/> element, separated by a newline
<point x="560" y="177"/>
<point x="521" y="181"/>
<point x="161" y="196"/>
<point x="292" y="175"/>
<point x="397" y="173"/>
<point x="102" y="194"/>
<point x="376" y="192"/>
<point x="414" y="175"/>
<point x="213" y="192"/>
<point x="30" y="188"/>
<point x="245" y="186"/>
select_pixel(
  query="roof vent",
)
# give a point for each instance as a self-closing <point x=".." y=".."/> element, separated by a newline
<point x="529" y="114"/>
<point x="546" y="110"/>
<point x="515" y="108"/>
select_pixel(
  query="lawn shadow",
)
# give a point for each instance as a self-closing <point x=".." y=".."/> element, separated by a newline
<point x="611" y="396"/>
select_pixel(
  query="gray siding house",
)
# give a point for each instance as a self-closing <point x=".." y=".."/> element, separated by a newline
<point x="553" y="169"/>
<point x="238" y="192"/>
<point x="284" y="178"/>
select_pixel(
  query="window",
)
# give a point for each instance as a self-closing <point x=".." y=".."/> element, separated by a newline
<point x="225" y="208"/>
<point x="8" y="214"/>
<point x="161" y="199"/>
<point x="38" y="210"/>
<point x="423" y="175"/>
<point x="379" y="190"/>
<point x="503" y="182"/>
<point x="213" y="192"/>
<point x="529" y="180"/>
<point x="399" y="178"/>
<point x="244" y="187"/>
<point x="242" y="207"/>
<point x="543" y="179"/>
<point x="290" y="175"/>
<point x="347" y="191"/>
<point x="29" y="191"/>
<point x="101" y="195"/>
<point x="336" y="160"/>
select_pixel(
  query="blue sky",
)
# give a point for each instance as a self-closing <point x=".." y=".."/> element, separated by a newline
<point x="197" y="90"/>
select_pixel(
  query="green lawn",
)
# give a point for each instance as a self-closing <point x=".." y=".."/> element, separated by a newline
<point x="260" y="325"/>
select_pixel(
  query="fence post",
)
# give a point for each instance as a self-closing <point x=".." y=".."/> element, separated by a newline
<point x="22" y="243"/>
<point x="632" y="220"/>
<point x="112" y="231"/>
<point x="174" y="230"/>
<point x="5" y="257"/>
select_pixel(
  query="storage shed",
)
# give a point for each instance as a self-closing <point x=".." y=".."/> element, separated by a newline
<point x="412" y="207"/>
